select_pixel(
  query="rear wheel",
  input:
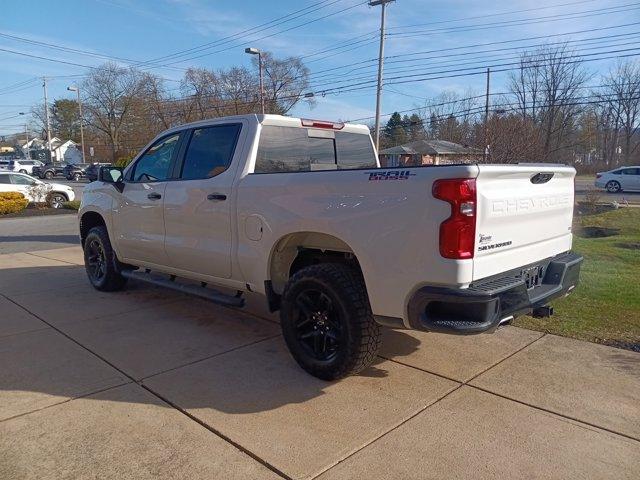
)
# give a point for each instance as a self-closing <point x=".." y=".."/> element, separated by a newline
<point x="48" y="175"/>
<point x="327" y="322"/>
<point x="613" y="187"/>
<point x="76" y="177"/>
<point x="22" y="171"/>
<point x="100" y="261"/>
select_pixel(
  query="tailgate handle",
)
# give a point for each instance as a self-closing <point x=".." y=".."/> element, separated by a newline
<point x="541" y="177"/>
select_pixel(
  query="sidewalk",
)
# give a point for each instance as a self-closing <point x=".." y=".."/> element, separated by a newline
<point x="148" y="383"/>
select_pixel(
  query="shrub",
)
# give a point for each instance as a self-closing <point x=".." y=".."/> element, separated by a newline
<point x="123" y="161"/>
<point x="12" y="202"/>
<point x="73" y="205"/>
<point x="11" y="196"/>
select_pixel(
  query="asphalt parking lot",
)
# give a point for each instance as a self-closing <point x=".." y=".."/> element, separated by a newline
<point x="148" y="383"/>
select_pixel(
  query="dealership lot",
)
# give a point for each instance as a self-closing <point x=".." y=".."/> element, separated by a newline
<point x="149" y="383"/>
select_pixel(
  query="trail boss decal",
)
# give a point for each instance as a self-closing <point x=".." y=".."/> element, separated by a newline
<point x="390" y="175"/>
<point x="493" y="246"/>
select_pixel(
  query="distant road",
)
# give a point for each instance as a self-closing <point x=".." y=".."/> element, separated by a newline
<point x="583" y="184"/>
<point x="46" y="232"/>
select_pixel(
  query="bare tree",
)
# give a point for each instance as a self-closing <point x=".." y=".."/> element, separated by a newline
<point x="621" y="97"/>
<point x="450" y="116"/>
<point x="111" y="93"/>
<point x="286" y="82"/>
<point x="546" y="88"/>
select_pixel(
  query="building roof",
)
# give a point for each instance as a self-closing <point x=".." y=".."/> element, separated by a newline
<point x="431" y="147"/>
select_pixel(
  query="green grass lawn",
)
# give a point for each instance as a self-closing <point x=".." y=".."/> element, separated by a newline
<point x="605" y="307"/>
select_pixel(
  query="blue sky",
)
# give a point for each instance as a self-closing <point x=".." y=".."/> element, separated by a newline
<point x="143" y="30"/>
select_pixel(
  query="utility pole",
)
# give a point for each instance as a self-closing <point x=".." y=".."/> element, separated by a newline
<point x="383" y="4"/>
<point x="77" y="90"/>
<point x="26" y="145"/>
<point x="486" y="118"/>
<point x="46" y="114"/>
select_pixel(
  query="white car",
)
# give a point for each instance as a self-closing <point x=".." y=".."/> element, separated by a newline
<point x="22" y="166"/>
<point x="620" y="179"/>
<point x="55" y="193"/>
<point x="300" y="211"/>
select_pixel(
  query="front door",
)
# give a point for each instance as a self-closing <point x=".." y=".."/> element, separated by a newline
<point x="197" y="206"/>
<point x="23" y="184"/>
<point x="139" y="217"/>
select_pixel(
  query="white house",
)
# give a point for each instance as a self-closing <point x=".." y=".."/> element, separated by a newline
<point x="66" y="152"/>
<point x="60" y="151"/>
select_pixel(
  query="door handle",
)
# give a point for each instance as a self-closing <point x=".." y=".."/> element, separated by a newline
<point x="154" y="196"/>
<point x="216" y="196"/>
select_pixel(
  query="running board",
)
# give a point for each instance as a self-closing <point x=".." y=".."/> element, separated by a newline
<point x="199" y="291"/>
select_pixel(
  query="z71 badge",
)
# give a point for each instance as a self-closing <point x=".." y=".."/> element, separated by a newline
<point x="390" y="175"/>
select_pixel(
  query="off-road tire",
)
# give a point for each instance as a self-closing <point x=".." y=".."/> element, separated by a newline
<point x="110" y="280"/>
<point x="359" y="338"/>
<point x="613" y="186"/>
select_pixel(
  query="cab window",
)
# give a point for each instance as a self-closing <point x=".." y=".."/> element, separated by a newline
<point x="210" y="151"/>
<point x="155" y="164"/>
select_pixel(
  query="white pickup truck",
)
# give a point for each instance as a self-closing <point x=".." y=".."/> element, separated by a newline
<point x="300" y="211"/>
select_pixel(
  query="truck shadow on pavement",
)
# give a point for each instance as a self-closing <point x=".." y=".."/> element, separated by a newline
<point x="60" y="339"/>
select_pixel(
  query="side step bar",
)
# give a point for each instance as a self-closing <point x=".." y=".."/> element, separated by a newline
<point x="199" y="291"/>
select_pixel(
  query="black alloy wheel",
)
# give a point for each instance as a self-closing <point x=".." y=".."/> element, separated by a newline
<point x="327" y="322"/>
<point x="318" y="324"/>
<point x="96" y="261"/>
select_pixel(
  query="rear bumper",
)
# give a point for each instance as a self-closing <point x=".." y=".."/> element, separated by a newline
<point x="482" y="306"/>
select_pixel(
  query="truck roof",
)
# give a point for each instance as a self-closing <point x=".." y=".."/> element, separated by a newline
<point x="281" y="121"/>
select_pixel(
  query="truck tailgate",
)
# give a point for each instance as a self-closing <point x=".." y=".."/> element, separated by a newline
<point x="524" y="214"/>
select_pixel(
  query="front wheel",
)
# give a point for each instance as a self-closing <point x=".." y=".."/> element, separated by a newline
<point x="22" y="171"/>
<point x="56" y="200"/>
<point x="76" y="177"/>
<point x="327" y="322"/>
<point x="613" y="187"/>
<point x="48" y="175"/>
<point x="100" y="261"/>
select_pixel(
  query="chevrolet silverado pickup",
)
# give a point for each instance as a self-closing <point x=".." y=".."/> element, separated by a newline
<point x="301" y="212"/>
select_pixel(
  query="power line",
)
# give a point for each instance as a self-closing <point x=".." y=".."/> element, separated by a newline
<point x="480" y="62"/>
<point x="389" y="59"/>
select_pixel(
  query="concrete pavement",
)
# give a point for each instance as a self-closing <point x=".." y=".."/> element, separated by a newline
<point x="148" y="383"/>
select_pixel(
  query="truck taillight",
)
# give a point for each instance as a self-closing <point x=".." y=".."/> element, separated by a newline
<point x="458" y="232"/>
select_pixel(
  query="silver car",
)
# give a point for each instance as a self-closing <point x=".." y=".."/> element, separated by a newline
<point x="623" y="178"/>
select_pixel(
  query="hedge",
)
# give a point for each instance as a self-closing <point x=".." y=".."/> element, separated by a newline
<point x="12" y="202"/>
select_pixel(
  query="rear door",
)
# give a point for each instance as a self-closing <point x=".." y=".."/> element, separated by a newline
<point x="198" y="205"/>
<point x="630" y="179"/>
<point x="139" y="217"/>
<point x="524" y="214"/>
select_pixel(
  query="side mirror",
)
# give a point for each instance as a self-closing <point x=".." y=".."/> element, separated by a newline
<point x="111" y="175"/>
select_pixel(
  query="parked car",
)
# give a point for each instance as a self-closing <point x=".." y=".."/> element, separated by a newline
<point x="49" y="170"/>
<point x="75" y="171"/>
<point x="23" y="166"/>
<point x="54" y="193"/>
<point x="619" y="179"/>
<point x="4" y="164"/>
<point x="301" y="212"/>
<point x="92" y="171"/>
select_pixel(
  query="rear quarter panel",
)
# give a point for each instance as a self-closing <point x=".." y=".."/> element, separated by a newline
<point x="387" y="217"/>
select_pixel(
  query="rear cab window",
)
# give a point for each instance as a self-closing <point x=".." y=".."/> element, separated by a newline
<point x="297" y="149"/>
<point x="210" y="151"/>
